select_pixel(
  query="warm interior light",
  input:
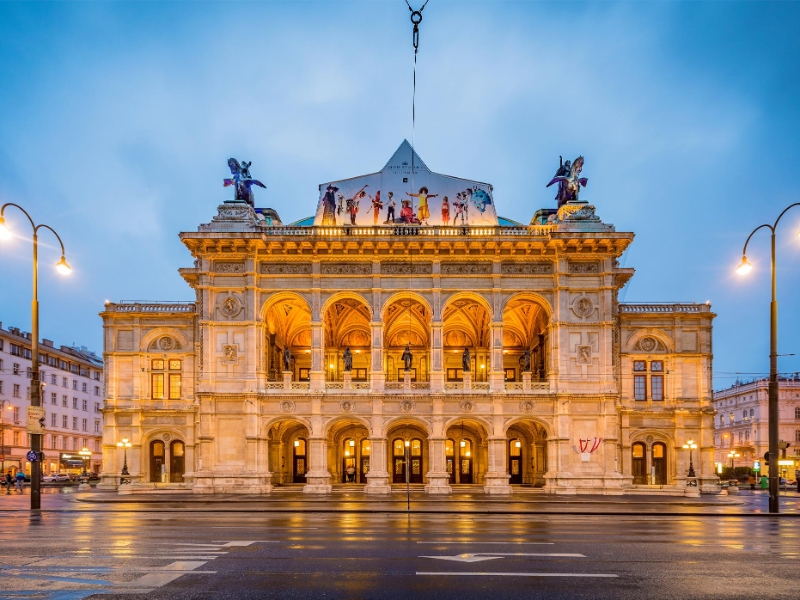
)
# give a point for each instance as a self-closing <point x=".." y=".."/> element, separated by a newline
<point x="518" y="444"/>
<point x="408" y="443"/>
<point x="296" y="443"/>
<point x="463" y="443"/>
<point x="347" y="452"/>
<point x="505" y="351"/>
<point x="358" y="351"/>
<point x="468" y="452"/>
<point x="352" y="442"/>
<point x="745" y="267"/>
<point x="308" y="351"/>
<point x="5" y="232"/>
<point x="483" y="366"/>
<point x="62" y="266"/>
<point x="331" y="365"/>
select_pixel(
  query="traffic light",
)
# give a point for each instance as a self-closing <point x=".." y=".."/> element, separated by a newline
<point x="766" y="458"/>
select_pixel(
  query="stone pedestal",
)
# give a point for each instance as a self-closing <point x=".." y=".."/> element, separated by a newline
<point x="406" y="381"/>
<point x="317" y="381"/>
<point x="378" y="483"/>
<point x="287" y="380"/>
<point x="466" y="378"/>
<point x="348" y="380"/>
<point x="497" y="484"/>
<point x="526" y="381"/>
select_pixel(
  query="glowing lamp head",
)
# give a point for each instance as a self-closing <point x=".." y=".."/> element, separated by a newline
<point x="463" y="443"/>
<point x="518" y="444"/>
<point x="62" y="266"/>
<point x="408" y="443"/>
<point x="352" y="443"/>
<point x="745" y="267"/>
<point x="5" y="232"/>
<point x="296" y="443"/>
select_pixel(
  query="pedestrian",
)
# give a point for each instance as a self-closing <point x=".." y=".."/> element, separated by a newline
<point x="351" y="474"/>
<point x="8" y="481"/>
<point x="20" y="480"/>
<point x="752" y="482"/>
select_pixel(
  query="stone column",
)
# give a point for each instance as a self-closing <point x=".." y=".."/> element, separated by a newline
<point x="496" y="371"/>
<point x="377" y="375"/>
<point x="318" y="479"/>
<point x="437" y="358"/>
<point x="378" y="476"/>
<point x="317" y="373"/>
<point x="496" y="479"/>
<point x="437" y="476"/>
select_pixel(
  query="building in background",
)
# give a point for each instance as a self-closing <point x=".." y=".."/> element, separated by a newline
<point x="72" y="397"/>
<point x="406" y="330"/>
<point x="741" y="424"/>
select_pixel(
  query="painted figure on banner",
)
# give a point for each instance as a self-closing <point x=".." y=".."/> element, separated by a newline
<point x="445" y="211"/>
<point x="423" y="196"/>
<point x="242" y="181"/>
<point x="329" y="206"/>
<point x="340" y="208"/>
<point x="407" y="215"/>
<point x="478" y="197"/>
<point x="465" y="360"/>
<point x="460" y="206"/>
<point x="347" y="358"/>
<point x="407" y="358"/>
<point x="376" y="207"/>
<point x="390" y="206"/>
<point x="569" y="181"/>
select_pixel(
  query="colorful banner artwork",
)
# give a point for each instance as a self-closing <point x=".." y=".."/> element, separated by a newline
<point x="393" y="197"/>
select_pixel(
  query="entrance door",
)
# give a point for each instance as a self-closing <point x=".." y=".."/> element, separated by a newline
<point x="465" y="461"/>
<point x="515" y="461"/>
<point x="364" y="461"/>
<point x="416" y="461"/>
<point x="449" y="460"/>
<point x="299" y="464"/>
<point x="177" y="463"/>
<point x="398" y="461"/>
<point x="349" y="461"/>
<point x="156" y="460"/>
<point x="660" y="463"/>
<point x="639" y="464"/>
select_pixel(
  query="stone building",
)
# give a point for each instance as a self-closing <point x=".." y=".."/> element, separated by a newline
<point x="72" y="398"/>
<point x="480" y="354"/>
<point x="741" y="425"/>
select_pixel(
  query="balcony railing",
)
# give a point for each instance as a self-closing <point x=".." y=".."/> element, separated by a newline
<point x="643" y="307"/>
<point x="411" y="230"/>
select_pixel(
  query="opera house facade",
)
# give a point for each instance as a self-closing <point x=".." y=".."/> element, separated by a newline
<point x="406" y="333"/>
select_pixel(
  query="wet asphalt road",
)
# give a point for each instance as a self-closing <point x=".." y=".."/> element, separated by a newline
<point x="134" y="550"/>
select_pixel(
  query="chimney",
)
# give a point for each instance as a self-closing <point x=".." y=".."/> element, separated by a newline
<point x="46" y="342"/>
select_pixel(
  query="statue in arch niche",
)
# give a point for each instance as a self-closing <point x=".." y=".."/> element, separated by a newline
<point x="347" y="358"/>
<point x="407" y="358"/>
<point x="287" y="357"/>
<point x="465" y="360"/>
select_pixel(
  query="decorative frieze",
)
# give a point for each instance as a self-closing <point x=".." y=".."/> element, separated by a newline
<point x="229" y="266"/>
<point x="530" y="268"/>
<point x="466" y="268"/>
<point x="584" y="267"/>
<point x="407" y="268"/>
<point x="353" y="268"/>
<point x="270" y="268"/>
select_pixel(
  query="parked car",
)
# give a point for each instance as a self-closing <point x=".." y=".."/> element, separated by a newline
<point x="94" y="477"/>
<point x="56" y="478"/>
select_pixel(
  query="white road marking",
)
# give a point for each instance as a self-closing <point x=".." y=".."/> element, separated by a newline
<point x="479" y="556"/>
<point x="468" y="542"/>
<point x="486" y="574"/>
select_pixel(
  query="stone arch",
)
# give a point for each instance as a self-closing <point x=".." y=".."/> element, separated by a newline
<point x="483" y="426"/>
<point x="278" y="296"/>
<point x="268" y="424"/>
<point x="640" y="435"/>
<point x="335" y="297"/>
<point x="331" y="426"/>
<point x="399" y="421"/>
<point x="547" y="427"/>
<point x="465" y="295"/>
<point x="159" y="332"/>
<point x="402" y="296"/>
<point x="533" y="297"/>
<point x="653" y="332"/>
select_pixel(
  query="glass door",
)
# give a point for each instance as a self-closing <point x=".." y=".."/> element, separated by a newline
<point x="515" y="461"/>
<point x="465" y="461"/>
<point x="449" y="460"/>
<point x="177" y="462"/>
<point x="639" y="464"/>
<point x="398" y="461"/>
<point x="299" y="464"/>
<point x="156" y="460"/>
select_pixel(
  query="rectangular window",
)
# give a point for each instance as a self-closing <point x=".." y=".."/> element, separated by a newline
<point x="639" y="365"/>
<point x="83" y="425"/>
<point x="85" y="405"/>
<point x="1" y="386"/>
<point x="53" y="379"/>
<point x="639" y="387"/>
<point x="74" y="403"/>
<point x="15" y="369"/>
<point x="75" y="384"/>
<point x="158" y="386"/>
<point x="174" y="365"/>
<point x="16" y="438"/>
<point x="16" y="350"/>
<point x="53" y="420"/>
<point x="75" y="423"/>
<point x="54" y="398"/>
<point x="97" y="390"/>
<point x="657" y="387"/>
<point x="158" y="364"/>
<point x="63" y="382"/>
<point x="63" y="365"/>
<point x="96" y="426"/>
<point x="657" y="366"/>
<point x="53" y="363"/>
<point x="174" y="386"/>
<point x="97" y="407"/>
<point x="83" y="387"/>
<point x="64" y="421"/>
<point x="28" y="373"/>
<point x="16" y="390"/>
<point x="64" y="401"/>
<point x="16" y="414"/>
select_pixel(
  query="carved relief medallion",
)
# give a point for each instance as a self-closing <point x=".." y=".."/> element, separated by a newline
<point x="166" y="437"/>
<point x="287" y="406"/>
<point x="407" y="406"/>
<point x="231" y="306"/>
<point x="526" y="406"/>
<point x="648" y="344"/>
<point x="467" y="407"/>
<point x="584" y="355"/>
<point x="166" y="343"/>
<point x="229" y="267"/>
<point x="230" y="352"/>
<point x="347" y="406"/>
<point x="583" y="307"/>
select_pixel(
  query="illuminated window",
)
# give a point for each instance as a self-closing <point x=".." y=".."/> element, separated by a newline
<point x="174" y="365"/>
<point x="448" y="448"/>
<point x="638" y="451"/>
<point x="174" y="386"/>
<point x="516" y="448"/>
<point x="364" y="448"/>
<point x="416" y="447"/>
<point x="399" y="448"/>
<point x="657" y="387"/>
<point x="158" y="386"/>
<point x="658" y="450"/>
<point x="158" y="365"/>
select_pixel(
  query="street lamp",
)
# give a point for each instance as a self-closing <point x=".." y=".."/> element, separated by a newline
<point x="408" y="476"/>
<point x="690" y="445"/>
<point x="743" y="269"/>
<point x="36" y="390"/>
<point x="733" y="455"/>
<point x="124" y="476"/>
<point x="86" y="454"/>
<point x="3" y="433"/>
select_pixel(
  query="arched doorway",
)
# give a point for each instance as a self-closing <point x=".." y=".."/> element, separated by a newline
<point x="287" y="320"/>
<point x="466" y="436"/>
<point x="639" y="463"/>
<point x="177" y="462"/>
<point x="449" y="459"/>
<point x="157" y="463"/>
<point x="347" y="325"/>
<point x="465" y="325"/>
<point x="349" y="469"/>
<point x="407" y="322"/>
<point x="660" y="463"/>
<point x="465" y="461"/>
<point x="515" y="461"/>
<point x="399" y="463"/>
<point x="525" y="326"/>
<point x="299" y="460"/>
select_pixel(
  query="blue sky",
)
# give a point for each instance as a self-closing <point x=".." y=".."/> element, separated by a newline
<point x="116" y="121"/>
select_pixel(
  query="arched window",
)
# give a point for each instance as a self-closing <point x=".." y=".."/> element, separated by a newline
<point x="515" y="461"/>
<point x="176" y="461"/>
<point x="157" y="448"/>
<point x="744" y="414"/>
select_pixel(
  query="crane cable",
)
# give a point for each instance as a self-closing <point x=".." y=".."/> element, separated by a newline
<point x="416" y="19"/>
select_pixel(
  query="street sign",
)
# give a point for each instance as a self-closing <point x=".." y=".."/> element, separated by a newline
<point x="756" y="465"/>
<point x="32" y="456"/>
<point x="36" y="420"/>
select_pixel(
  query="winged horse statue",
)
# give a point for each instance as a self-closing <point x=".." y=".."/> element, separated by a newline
<point x="242" y="181"/>
<point x="569" y="181"/>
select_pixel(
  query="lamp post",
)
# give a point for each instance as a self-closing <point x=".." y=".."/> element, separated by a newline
<point x="36" y="390"/>
<point x="744" y="269"/>
<point x="3" y="434"/>
<point x="86" y="454"/>
<point x="124" y="475"/>
<point x="733" y="455"/>
<point x="690" y="445"/>
<point x="408" y="476"/>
